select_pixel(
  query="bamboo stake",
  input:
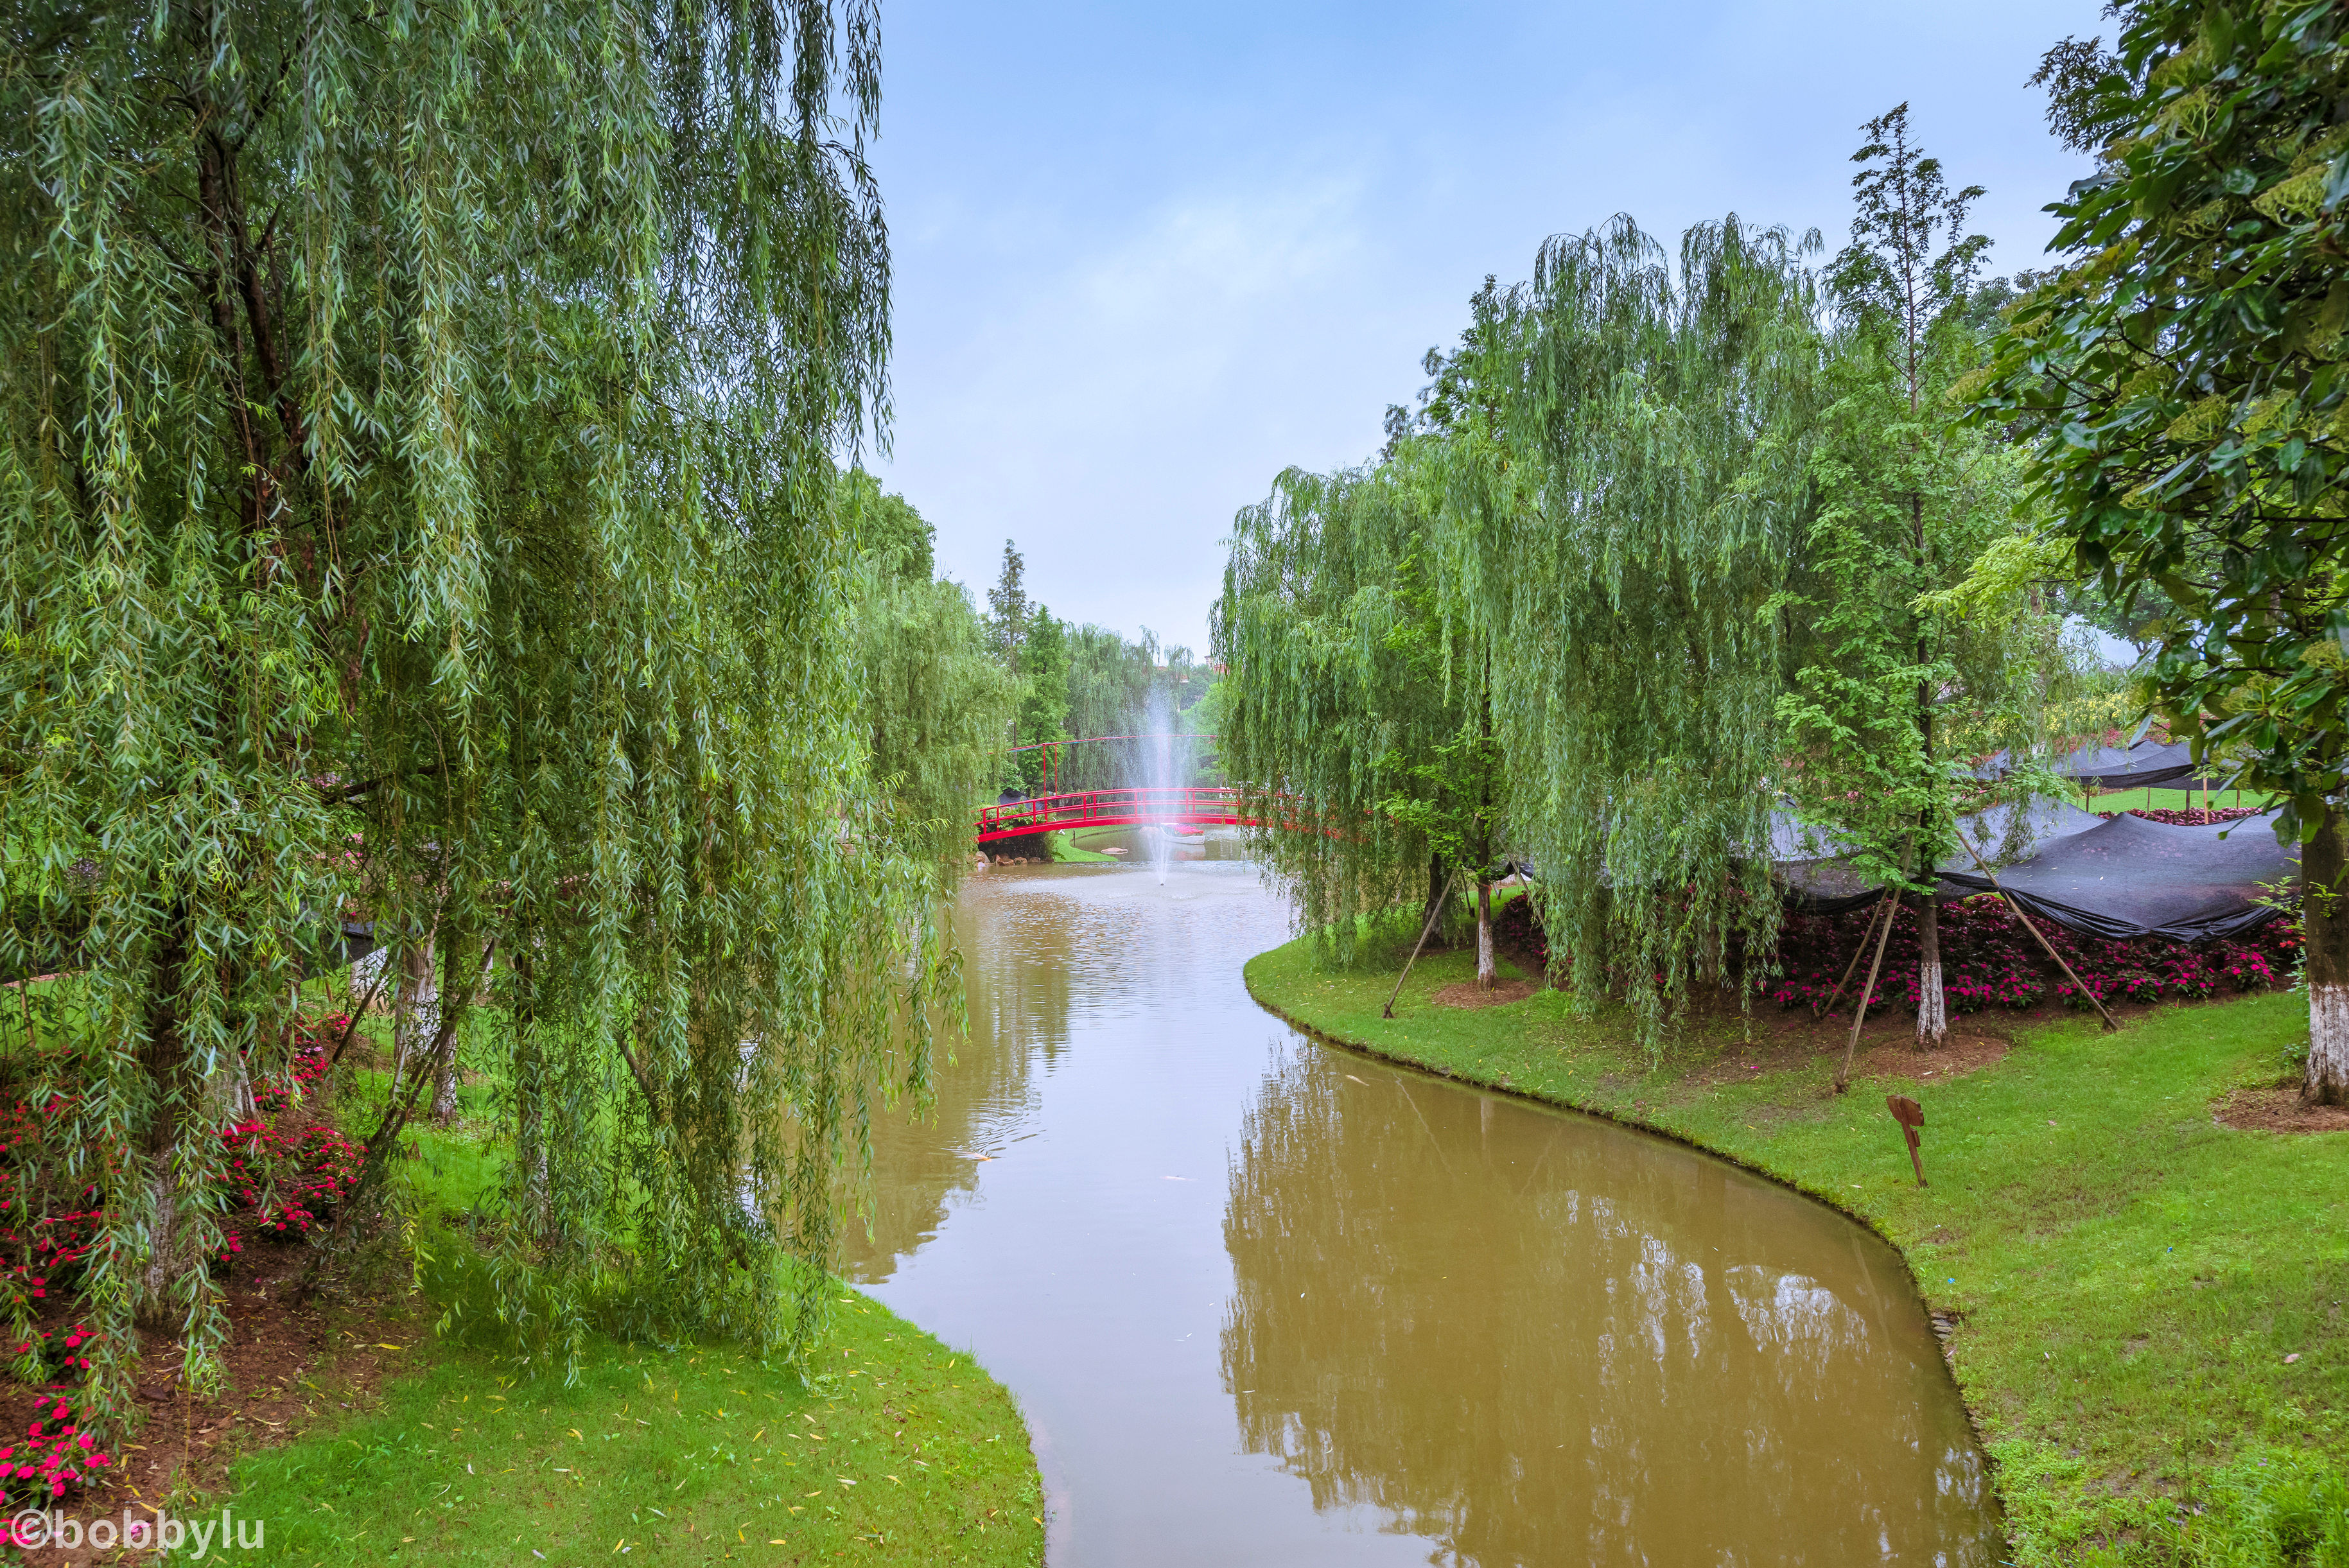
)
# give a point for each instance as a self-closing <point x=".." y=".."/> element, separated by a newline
<point x="2017" y="910"/>
<point x="1836" y="995"/>
<point x="1388" y="1011"/>
<point x="1843" y="1078"/>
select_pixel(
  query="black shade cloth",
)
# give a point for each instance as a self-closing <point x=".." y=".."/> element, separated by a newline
<point x="2138" y="767"/>
<point x="2005" y="833"/>
<point x="2130" y="877"/>
<point x="2135" y="766"/>
<point x="1815" y="876"/>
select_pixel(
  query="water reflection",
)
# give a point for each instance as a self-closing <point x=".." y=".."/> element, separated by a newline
<point x="1534" y="1338"/>
<point x="1265" y="1303"/>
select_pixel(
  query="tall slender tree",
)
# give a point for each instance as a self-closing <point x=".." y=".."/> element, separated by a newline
<point x="1885" y="691"/>
<point x="416" y="499"/>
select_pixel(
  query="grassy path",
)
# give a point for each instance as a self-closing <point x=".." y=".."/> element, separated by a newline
<point x="2150" y="1322"/>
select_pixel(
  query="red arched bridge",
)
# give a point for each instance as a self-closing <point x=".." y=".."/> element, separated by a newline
<point x="1186" y="806"/>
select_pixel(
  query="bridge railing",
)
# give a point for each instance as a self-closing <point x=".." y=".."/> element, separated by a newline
<point x="1203" y="805"/>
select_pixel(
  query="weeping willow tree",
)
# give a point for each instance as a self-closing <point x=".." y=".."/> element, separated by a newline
<point x="416" y="506"/>
<point x="937" y="701"/>
<point x="1615" y="531"/>
<point x="1343" y="716"/>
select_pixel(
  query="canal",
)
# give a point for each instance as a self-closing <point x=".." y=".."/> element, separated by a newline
<point x="1268" y="1303"/>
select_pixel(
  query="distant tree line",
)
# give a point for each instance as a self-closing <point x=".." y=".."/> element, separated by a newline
<point x="1083" y="681"/>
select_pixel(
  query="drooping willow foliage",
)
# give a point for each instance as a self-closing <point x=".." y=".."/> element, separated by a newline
<point x="416" y="505"/>
<point x="1338" y="695"/>
<point x="937" y="700"/>
<point x="1615" y="542"/>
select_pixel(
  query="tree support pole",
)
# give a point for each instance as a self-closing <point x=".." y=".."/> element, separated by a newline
<point x="1835" y="996"/>
<point x="351" y="1024"/>
<point x="2017" y="910"/>
<point x="1843" y="1078"/>
<point x="1425" y="932"/>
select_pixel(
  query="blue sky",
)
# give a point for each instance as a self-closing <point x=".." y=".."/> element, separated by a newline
<point x="1148" y="256"/>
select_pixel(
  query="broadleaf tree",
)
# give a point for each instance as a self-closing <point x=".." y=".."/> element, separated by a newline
<point x="1613" y="536"/>
<point x="1337" y="709"/>
<point x="2187" y="378"/>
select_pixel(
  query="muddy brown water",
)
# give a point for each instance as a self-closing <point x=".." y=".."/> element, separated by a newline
<point x="1265" y="1301"/>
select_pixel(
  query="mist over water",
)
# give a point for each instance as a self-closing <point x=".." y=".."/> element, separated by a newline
<point x="1264" y="1301"/>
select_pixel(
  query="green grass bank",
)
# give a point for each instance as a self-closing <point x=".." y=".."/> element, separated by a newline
<point x="891" y="1448"/>
<point x="2149" y="1320"/>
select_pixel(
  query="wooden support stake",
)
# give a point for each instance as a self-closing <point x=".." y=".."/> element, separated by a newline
<point x="351" y="1024"/>
<point x="1843" y="1078"/>
<point x="2017" y="910"/>
<point x="1836" y="995"/>
<point x="1434" y="915"/>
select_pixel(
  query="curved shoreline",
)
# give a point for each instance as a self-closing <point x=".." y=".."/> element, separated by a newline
<point x="1776" y="1177"/>
<point x="2070" y="1312"/>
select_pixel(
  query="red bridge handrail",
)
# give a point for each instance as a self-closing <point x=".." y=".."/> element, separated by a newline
<point x="1203" y="805"/>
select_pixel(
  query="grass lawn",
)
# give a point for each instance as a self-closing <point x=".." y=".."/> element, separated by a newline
<point x="897" y="1451"/>
<point x="893" y="1448"/>
<point x="2151" y="1328"/>
<point x="2172" y="800"/>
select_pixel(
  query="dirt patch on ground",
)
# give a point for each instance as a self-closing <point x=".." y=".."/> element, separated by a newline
<point x="2278" y="1111"/>
<point x="1784" y="1041"/>
<point x="289" y="1360"/>
<point x="1964" y="1052"/>
<point x="1465" y="995"/>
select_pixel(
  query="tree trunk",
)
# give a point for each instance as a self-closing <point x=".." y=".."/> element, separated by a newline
<point x="1484" y="935"/>
<point x="1932" y="1012"/>
<point x="444" y="1066"/>
<point x="170" y="1252"/>
<point x="2325" y="921"/>
<point x="416" y="1018"/>
<point x="530" y="1087"/>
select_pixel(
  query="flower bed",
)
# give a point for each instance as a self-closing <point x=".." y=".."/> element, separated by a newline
<point x="1988" y="960"/>
<point x="285" y="1169"/>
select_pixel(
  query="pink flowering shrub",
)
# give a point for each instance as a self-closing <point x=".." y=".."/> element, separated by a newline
<point x="289" y="1172"/>
<point x="291" y="1176"/>
<point x="55" y="1355"/>
<point x="41" y="1464"/>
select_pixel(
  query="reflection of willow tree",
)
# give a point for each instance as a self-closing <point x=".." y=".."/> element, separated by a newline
<point x="1017" y="953"/>
<point x="1621" y="1352"/>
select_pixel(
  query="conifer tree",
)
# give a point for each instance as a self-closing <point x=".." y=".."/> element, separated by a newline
<point x="1887" y="698"/>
